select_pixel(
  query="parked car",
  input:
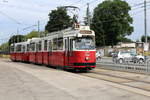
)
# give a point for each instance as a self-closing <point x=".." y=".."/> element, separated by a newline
<point x="111" y="54"/>
<point x="125" y="56"/>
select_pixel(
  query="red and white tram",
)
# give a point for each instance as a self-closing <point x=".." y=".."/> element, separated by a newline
<point x="69" y="49"/>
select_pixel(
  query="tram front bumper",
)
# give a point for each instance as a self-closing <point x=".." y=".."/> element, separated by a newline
<point x="84" y="65"/>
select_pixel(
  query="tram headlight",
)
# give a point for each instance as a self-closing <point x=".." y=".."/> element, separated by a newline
<point x="87" y="58"/>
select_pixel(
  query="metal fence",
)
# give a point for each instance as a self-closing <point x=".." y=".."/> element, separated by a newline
<point x="108" y="63"/>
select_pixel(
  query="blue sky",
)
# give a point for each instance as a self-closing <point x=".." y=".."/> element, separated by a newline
<point x="24" y="13"/>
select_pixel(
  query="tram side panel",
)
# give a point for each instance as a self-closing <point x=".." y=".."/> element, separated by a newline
<point x="18" y="56"/>
<point x="39" y="58"/>
<point x="45" y="58"/>
<point x="32" y="57"/>
<point x="60" y="58"/>
<point x="13" y="56"/>
<point x="50" y="58"/>
<point x="54" y="58"/>
<point x="12" y="53"/>
<point x="25" y="57"/>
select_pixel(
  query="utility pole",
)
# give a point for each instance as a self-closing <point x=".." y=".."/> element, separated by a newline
<point x="145" y="20"/>
<point x="17" y="35"/>
<point x="88" y="15"/>
<point x="39" y="28"/>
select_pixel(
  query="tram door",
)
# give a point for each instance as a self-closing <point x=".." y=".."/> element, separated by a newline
<point x="68" y="50"/>
<point x="50" y="53"/>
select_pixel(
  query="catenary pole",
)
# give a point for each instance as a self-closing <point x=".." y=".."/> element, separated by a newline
<point x="39" y="28"/>
<point x="145" y="20"/>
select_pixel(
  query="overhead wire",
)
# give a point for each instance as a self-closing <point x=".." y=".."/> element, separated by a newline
<point x="93" y="2"/>
<point x="48" y="17"/>
<point x="9" y="17"/>
<point x="75" y="2"/>
<point x="139" y="4"/>
<point x="141" y="10"/>
<point x="136" y="5"/>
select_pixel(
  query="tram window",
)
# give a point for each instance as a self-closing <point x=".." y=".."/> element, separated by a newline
<point x="40" y="46"/>
<point x="23" y="48"/>
<point x="45" y="45"/>
<point x="32" y="46"/>
<point x="12" y="49"/>
<point x="18" y="48"/>
<point x="37" y="45"/>
<point x="50" y="46"/>
<point x="85" y="43"/>
<point x="65" y="44"/>
<point x="28" y="47"/>
<point x="60" y="44"/>
<point x="71" y="44"/>
<point x="55" y="44"/>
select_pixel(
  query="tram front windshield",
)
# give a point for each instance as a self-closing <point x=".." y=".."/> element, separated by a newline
<point x="84" y="43"/>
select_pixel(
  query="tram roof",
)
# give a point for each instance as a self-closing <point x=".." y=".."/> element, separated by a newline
<point x="72" y="32"/>
<point x="22" y="43"/>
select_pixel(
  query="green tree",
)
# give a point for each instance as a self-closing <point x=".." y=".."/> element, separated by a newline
<point x="32" y="34"/>
<point x="58" y="20"/>
<point x="4" y="48"/>
<point x="16" y="39"/>
<point x="111" y="21"/>
<point x="22" y="38"/>
<point x="143" y="38"/>
<point x="126" y="40"/>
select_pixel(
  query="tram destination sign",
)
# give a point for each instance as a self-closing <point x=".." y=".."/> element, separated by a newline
<point x="85" y="32"/>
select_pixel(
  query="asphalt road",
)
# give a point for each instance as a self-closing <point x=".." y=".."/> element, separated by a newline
<point x="19" y="81"/>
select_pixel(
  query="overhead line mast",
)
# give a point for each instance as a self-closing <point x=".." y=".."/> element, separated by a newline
<point x="145" y="20"/>
<point x="88" y="15"/>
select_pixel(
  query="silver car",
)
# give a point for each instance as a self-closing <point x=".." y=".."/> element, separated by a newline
<point x="125" y="56"/>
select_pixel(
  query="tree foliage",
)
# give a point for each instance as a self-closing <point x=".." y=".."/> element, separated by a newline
<point x="4" y="48"/>
<point x="16" y="39"/>
<point x="111" y="21"/>
<point x="32" y="34"/>
<point x="22" y="38"/>
<point x="143" y="38"/>
<point x="125" y="40"/>
<point x="58" y="20"/>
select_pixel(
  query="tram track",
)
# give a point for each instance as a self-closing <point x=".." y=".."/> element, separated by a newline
<point x="137" y="80"/>
<point x="121" y="82"/>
